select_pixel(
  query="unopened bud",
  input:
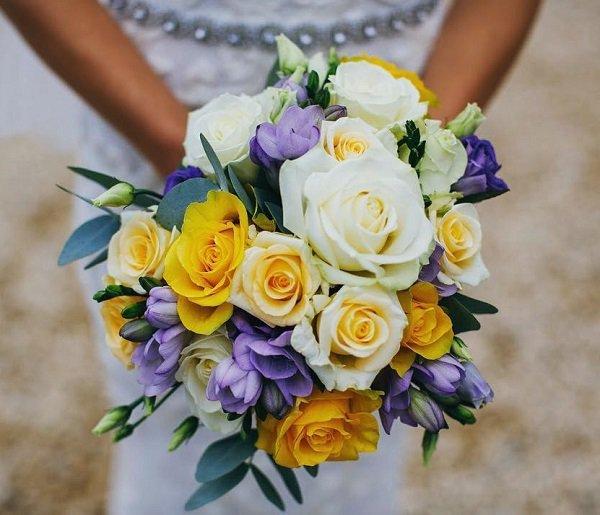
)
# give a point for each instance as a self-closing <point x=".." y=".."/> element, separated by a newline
<point x="135" y="310"/>
<point x="460" y="349"/>
<point x="137" y="331"/>
<point x="121" y="194"/>
<point x="113" y="418"/>
<point x="460" y="413"/>
<point x="183" y="432"/>
<point x="123" y="432"/>
<point x="272" y="400"/>
<point x="335" y="112"/>
<point x="467" y="121"/>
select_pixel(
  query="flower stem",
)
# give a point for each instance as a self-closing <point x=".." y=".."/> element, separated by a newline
<point x="156" y="406"/>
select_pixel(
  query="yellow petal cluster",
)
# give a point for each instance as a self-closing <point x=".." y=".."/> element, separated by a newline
<point x="326" y="426"/>
<point x="429" y="332"/>
<point x="201" y="263"/>
<point x="110" y="310"/>
<point x="425" y="93"/>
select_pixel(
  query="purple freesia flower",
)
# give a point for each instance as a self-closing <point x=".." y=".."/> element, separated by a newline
<point x="161" y="308"/>
<point x="261" y="355"/>
<point x="292" y="85"/>
<point x="441" y="376"/>
<point x="158" y="359"/>
<point x="182" y="174"/>
<point x="429" y="273"/>
<point x="396" y="398"/>
<point x="474" y="389"/>
<point x="293" y="136"/>
<point x="482" y="167"/>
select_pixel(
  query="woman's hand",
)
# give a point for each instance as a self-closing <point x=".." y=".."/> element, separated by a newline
<point x="478" y="43"/>
<point x="87" y="49"/>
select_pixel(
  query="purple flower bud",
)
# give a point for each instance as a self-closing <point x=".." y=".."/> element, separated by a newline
<point x="273" y="401"/>
<point x="161" y="308"/>
<point x="335" y="112"/>
<point x="473" y="389"/>
<point x="441" y="376"/>
<point x="295" y="134"/>
<point x="292" y="85"/>
<point x="396" y="399"/>
<point x="158" y="359"/>
<point x="482" y="167"/>
<point x="234" y="387"/>
<point x="182" y="174"/>
<point x="425" y="412"/>
<point x="429" y="273"/>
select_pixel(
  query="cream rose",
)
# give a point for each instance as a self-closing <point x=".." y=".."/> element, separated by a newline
<point x="195" y="366"/>
<point x="276" y="279"/>
<point x="445" y="159"/>
<point x="365" y="220"/>
<point x="228" y="122"/>
<point x="373" y="94"/>
<point x="459" y="232"/>
<point x="138" y="249"/>
<point x="357" y="334"/>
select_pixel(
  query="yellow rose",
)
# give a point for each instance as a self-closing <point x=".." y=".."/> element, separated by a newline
<point x="110" y="310"/>
<point x="429" y="330"/>
<point x="327" y="426"/>
<point x="138" y="249"/>
<point x="425" y="93"/>
<point x="201" y="262"/>
<point x="276" y="279"/>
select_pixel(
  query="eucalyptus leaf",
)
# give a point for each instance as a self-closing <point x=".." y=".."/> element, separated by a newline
<point x="100" y="258"/>
<point x="224" y="455"/>
<point x="462" y="319"/>
<point x="239" y="189"/>
<point x="313" y="470"/>
<point x="289" y="479"/>
<point x="277" y="213"/>
<point x="429" y="444"/>
<point x="267" y="487"/>
<point x="171" y="210"/>
<point x="88" y="238"/>
<point x="215" y="163"/>
<point x="477" y="307"/>
<point x="86" y="200"/>
<point x="212" y="490"/>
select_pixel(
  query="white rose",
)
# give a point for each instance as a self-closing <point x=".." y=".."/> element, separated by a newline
<point x="373" y="94"/>
<point x="445" y="159"/>
<point x="358" y="333"/>
<point x="196" y="364"/>
<point x="365" y="219"/>
<point x="341" y="140"/>
<point x="459" y="232"/>
<point x="138" y="249"/>
<point x="228" y="122"/>
<point x="276" y="279"/>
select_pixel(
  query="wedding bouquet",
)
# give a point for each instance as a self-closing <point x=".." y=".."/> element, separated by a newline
<point x="301" y="272"/>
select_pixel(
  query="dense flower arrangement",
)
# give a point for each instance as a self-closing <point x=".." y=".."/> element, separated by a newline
<point x="302" y="271"/>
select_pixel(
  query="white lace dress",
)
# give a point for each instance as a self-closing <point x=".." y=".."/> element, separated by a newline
<point x="203" y="48"/>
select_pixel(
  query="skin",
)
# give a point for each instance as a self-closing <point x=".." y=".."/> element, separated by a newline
<point x="80" y="41"/>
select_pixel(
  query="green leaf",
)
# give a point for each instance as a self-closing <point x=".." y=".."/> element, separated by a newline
<point x="462" y="319"/>
<point x="477" y="307"/>
<point x="108" y="181"/>
<point x="322" y="98"/>
<point x="212" y="490"/>
<point x="100" y="258"/>
<point x="171" y="209"/>
<point x="267" y="487"/>
<point x="479" y="197"/>
<point x="240" y="191"/>
<point x="215" y="163"/>
<point x="313" y="470"/>
<point x="273" y="77"/>
<point x="88" y="238"/>
<point x="312" y="83"/>
<point x="87" y="200"/>
<point x="289" y="479"/>
<point x="277" y="214"/>
<point x="224" y="455"/>
<point x="460" y="413"/>
<point x="429" y="444"/>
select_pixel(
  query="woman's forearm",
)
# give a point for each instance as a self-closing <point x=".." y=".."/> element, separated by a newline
<point x="478" y="43"/>
<point x="88" y="50"/>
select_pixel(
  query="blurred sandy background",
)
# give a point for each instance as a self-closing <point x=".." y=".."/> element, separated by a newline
<point x="534" y="450"/>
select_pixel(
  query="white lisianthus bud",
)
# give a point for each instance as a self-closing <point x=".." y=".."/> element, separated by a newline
<point x="290" y="55"/>
<point x="114" y="418"/>
<point x="467" y="121"/>
<point x="121" y="194"/>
